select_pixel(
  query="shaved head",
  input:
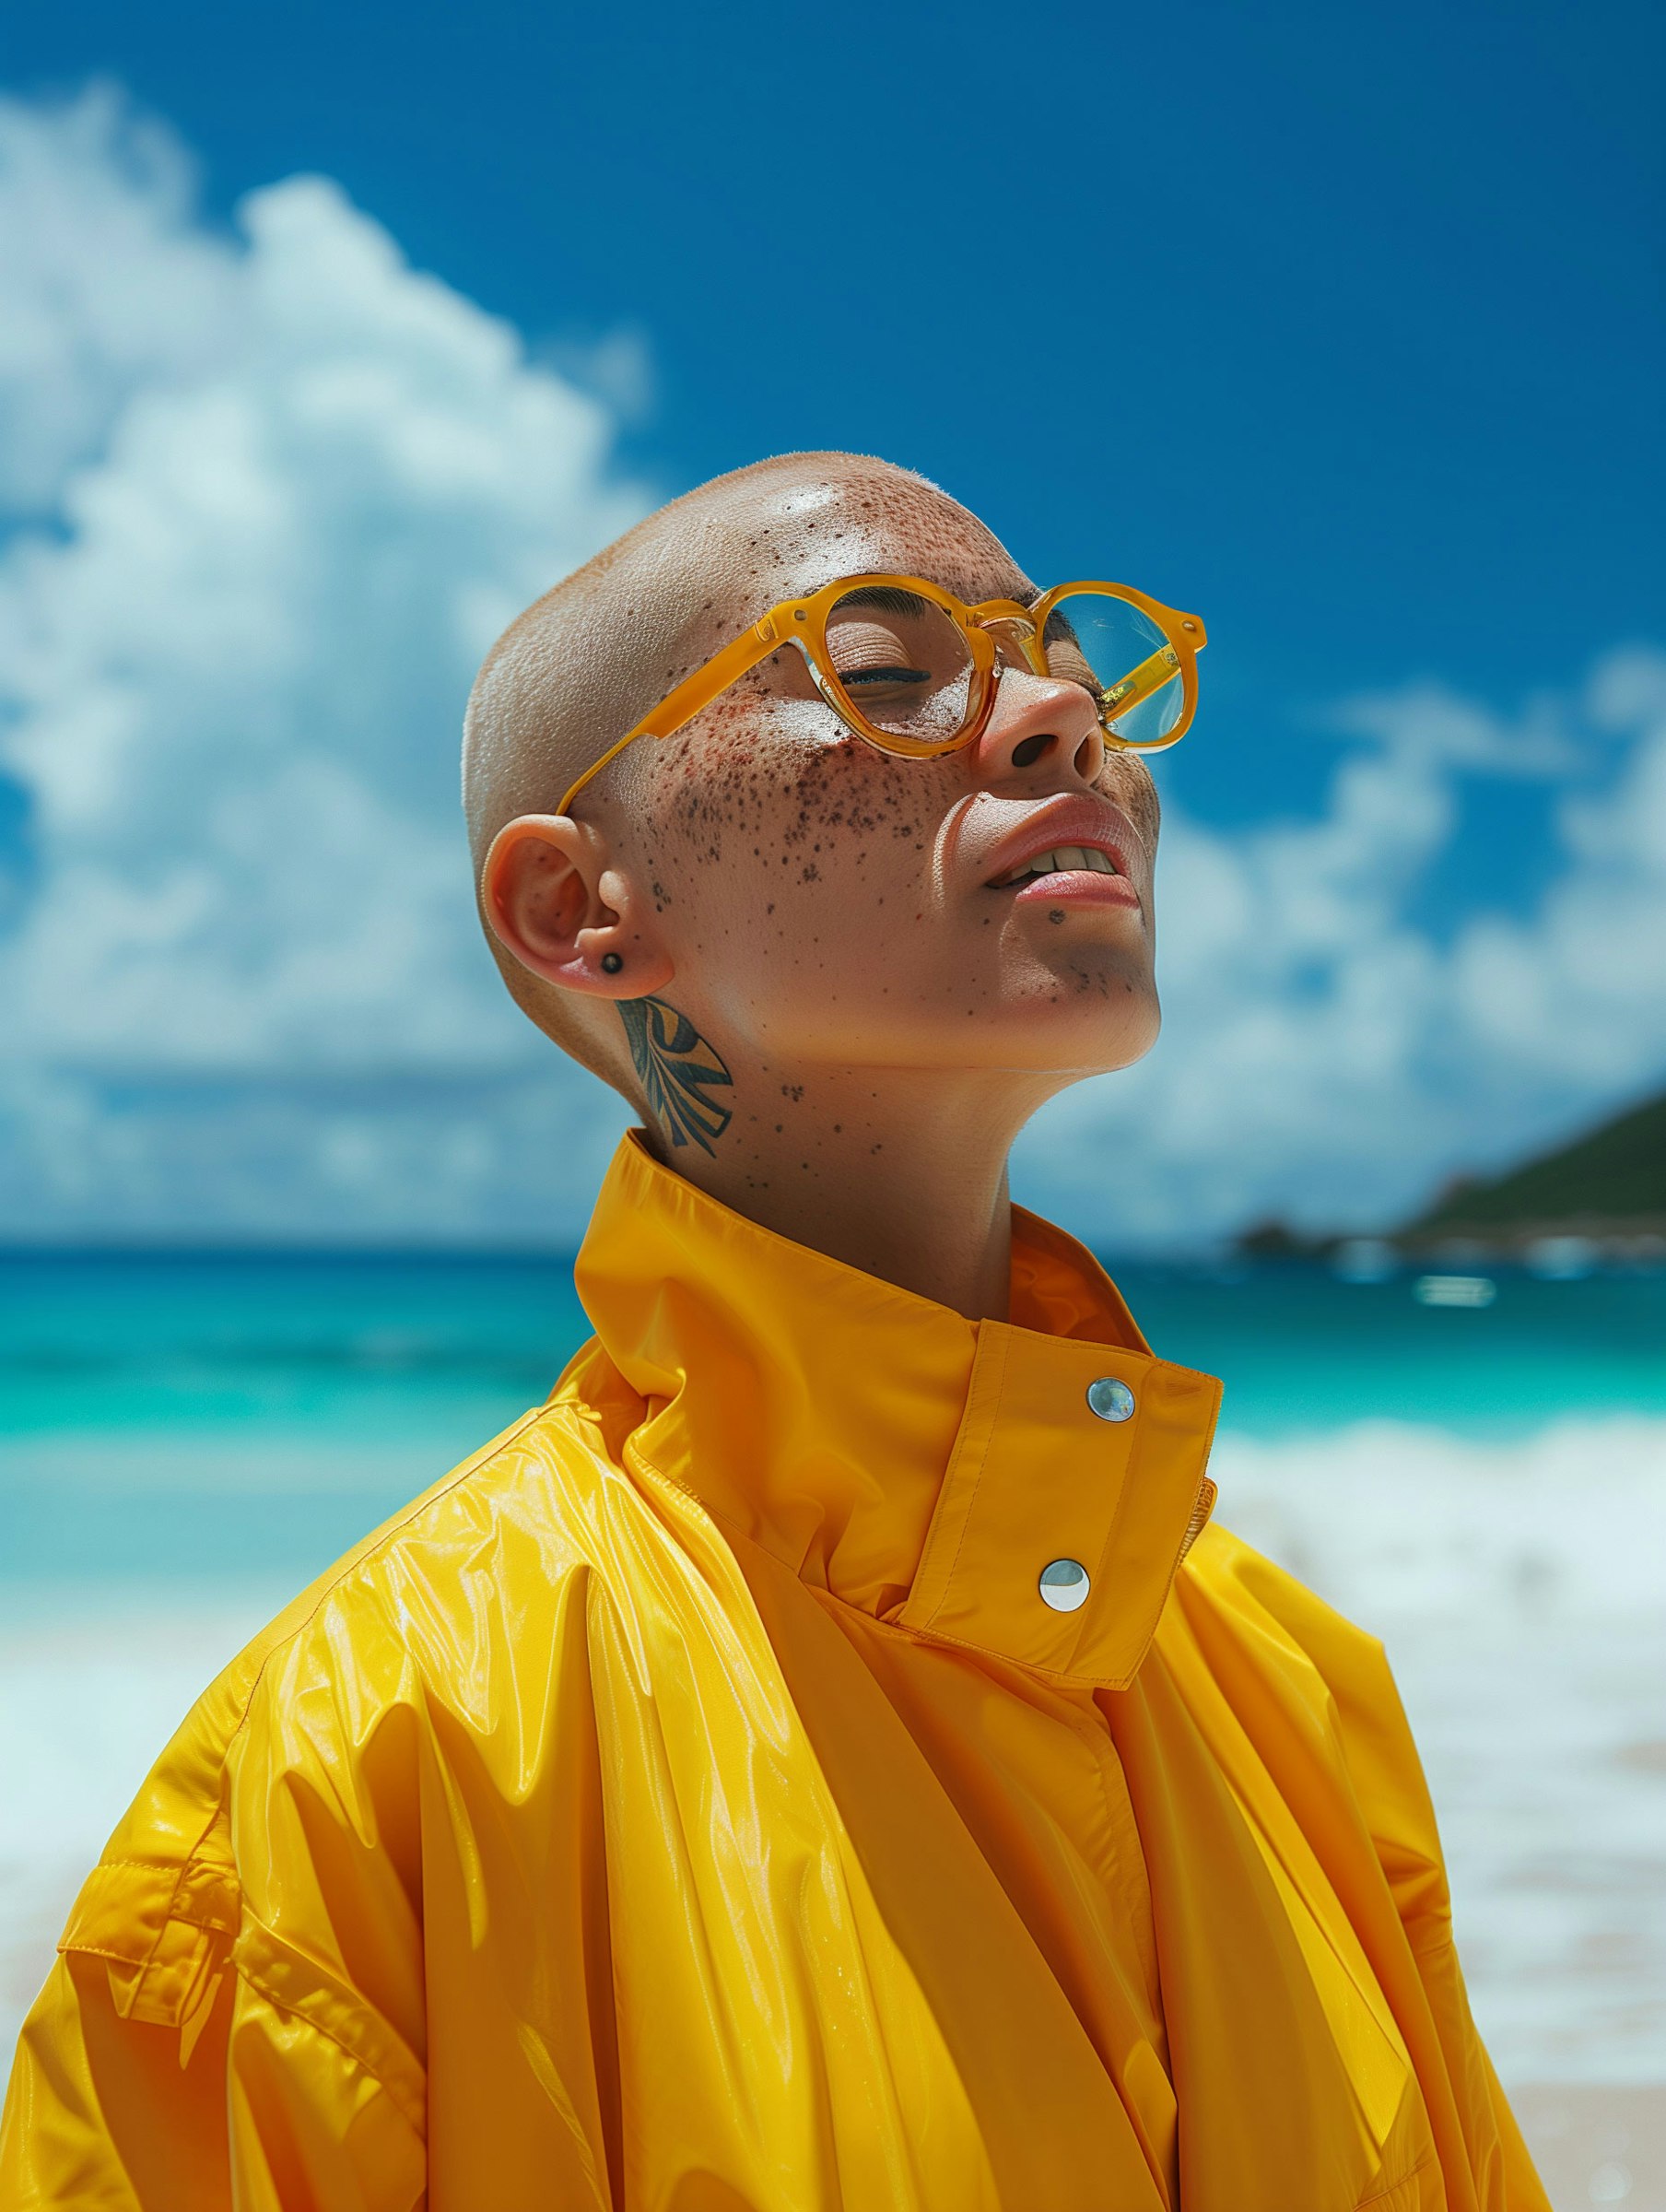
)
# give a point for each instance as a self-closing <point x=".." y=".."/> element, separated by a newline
<point x="589" y="659"/>
<point x="728" y="915"/>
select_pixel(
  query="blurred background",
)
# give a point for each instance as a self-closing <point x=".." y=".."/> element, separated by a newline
<point x="329" y="338"/>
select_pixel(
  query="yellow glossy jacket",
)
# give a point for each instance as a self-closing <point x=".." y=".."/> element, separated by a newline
<point x="691" y="1804"/>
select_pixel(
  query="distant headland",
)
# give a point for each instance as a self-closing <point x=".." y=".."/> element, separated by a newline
<point x="1602" y="1194"/>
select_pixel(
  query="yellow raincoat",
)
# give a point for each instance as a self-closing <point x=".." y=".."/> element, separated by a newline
<point x="693" y="1805"/>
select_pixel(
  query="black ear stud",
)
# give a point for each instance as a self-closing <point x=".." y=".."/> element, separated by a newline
<point x="611" y="963"/>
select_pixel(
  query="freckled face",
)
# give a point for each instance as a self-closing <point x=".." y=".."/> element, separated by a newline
<point x="826" y="904"/>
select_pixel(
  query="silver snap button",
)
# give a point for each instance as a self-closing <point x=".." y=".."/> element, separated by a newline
<point x="1064" y="1584"/>
<point x="1112" y="1400"/>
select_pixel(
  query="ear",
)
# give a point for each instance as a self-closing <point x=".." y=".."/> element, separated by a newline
<point x="555" y="899"/>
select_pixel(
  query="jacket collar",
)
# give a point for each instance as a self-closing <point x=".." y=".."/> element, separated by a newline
<point x="920" y="1466"/>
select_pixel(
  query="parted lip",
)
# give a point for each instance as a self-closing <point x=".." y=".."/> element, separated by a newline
<point x="1066" y="820"/>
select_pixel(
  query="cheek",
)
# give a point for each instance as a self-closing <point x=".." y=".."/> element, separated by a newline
<point x="846" y="818"/>
<point x="1126" y="780"/>
<point x="779" y="833"/>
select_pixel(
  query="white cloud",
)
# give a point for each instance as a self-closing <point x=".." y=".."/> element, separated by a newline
<point x="290" y="489"/>
<point x="110" y="285"/>
<point x="1584" y="985"/>
<point x="276" y="491"/>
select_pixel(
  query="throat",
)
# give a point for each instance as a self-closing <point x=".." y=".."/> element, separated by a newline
<point x="889" y="1178"/>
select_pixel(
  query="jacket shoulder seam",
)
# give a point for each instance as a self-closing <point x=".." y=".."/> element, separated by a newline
<point x="366" y="1549"/>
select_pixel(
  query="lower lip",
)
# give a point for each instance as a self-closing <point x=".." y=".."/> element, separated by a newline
<point x="1076" y="886"/>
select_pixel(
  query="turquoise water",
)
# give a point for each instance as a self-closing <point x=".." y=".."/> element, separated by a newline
<point x="229" y="1413"/>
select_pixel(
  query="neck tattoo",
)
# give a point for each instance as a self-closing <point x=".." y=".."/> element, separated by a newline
<point x="676" y="1067"/>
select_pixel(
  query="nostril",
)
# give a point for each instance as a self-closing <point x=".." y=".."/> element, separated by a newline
<point x="1029" y="750"/>
<point x="1090" y="757"/>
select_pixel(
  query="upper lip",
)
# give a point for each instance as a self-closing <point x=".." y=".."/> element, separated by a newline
<point x="1066" y="820"/>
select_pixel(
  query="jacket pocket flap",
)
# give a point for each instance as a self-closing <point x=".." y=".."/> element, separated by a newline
<point x="160" y="1931"/>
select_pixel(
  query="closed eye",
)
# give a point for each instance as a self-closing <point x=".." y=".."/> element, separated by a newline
<point x="851" y="677"/>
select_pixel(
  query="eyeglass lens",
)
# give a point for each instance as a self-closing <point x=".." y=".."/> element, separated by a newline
<point x="904" y="663"/>
<point x="906" y="666"/>
<point x="1103" y="642"/>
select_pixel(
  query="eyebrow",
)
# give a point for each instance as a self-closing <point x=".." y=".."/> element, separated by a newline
<point x="889" y="597"/>
<point x="891" y="600"/>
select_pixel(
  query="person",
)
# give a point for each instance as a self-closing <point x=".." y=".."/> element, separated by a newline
<point x="829" y="1754"/>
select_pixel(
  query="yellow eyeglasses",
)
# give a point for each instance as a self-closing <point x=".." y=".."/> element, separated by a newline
<point x="913" y="670"/>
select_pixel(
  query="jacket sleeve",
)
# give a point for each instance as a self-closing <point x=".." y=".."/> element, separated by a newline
<point x="236" y="2014"/>
<point x="1386" y="1778"/>
<point x="103" y="2115"/>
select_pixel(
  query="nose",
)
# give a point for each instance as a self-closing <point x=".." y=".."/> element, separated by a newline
<point x="1043" y="730"/>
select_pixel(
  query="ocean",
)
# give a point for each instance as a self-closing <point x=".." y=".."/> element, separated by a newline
<point x="1481" y="1480"/>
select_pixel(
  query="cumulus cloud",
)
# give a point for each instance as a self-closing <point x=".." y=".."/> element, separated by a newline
<point x="1583" y="986"/>
<point x="288" y="490"/>
<point x="269" y="493"/>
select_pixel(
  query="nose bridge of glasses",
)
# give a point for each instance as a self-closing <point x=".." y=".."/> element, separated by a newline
<point x="1015" y="636"/>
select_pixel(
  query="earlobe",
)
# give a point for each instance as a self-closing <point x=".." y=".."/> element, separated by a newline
<point x="541" y="891"/>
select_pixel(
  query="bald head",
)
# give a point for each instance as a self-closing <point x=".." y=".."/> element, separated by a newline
<point x="588" y="660"/>
<point x="763" y="882"/>
<point x="591" y="657"/>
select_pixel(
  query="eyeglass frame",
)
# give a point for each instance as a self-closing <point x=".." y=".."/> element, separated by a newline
<point x="804" y="623"/>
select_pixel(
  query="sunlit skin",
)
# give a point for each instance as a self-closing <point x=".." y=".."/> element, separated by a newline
<point x="825" y="916"/>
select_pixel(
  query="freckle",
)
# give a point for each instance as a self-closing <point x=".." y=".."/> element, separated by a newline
<point x="1055" y="913"/>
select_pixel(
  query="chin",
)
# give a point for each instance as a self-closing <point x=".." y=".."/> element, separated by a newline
<point x="1093" y="1031"/>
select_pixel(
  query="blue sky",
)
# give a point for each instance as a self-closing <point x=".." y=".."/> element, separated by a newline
<point x="1342" y="325"/>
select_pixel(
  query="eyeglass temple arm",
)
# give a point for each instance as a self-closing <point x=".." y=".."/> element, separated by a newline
<point x="683" y="703"/>
<point x="1139" y="683"/>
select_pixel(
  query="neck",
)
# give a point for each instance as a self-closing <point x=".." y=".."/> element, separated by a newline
<point x="903" y="1177"/>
